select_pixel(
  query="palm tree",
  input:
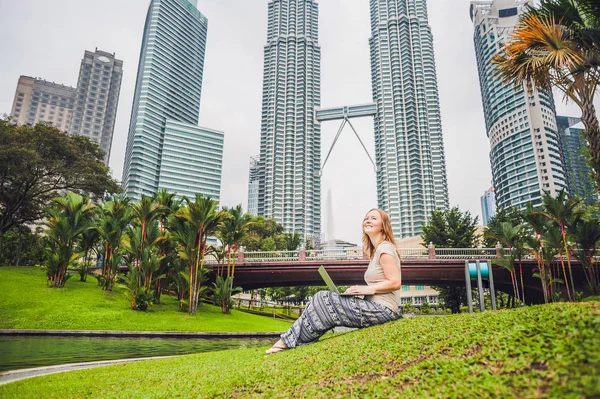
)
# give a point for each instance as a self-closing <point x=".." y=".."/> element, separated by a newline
<point x="115" y="217"/>
<point x="66" y="221"/>
<point x="552" y="243"/>
<point x="169" y="265"/>
<point x="558" y="45"/>
<point x="144" y="251"/>
<point x="203" y="216"/>
<point x="539" y="224"/>
<point x="561" y="211"/>
<point x="169" y="204"/>
<point x="586" y="233"/>
<point x="87" y="243"/>
<point x="145" y="212"/>
<point x="233" y="230"/>
<point x="510" y="237"/>
<point x="219" y="253"/>
<point x="222" y="292"/>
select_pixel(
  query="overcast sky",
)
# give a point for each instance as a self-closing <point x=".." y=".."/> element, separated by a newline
<point x="47" y="39"/>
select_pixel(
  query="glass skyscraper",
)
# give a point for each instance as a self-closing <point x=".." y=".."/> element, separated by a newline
<point x="290" y="138"/>
<point x="409" y="148"/>
<point x="165" y="147"/>
<point x="488" y="205"/>
<point x="525" y="151"/>
<point x="574" y="148"/>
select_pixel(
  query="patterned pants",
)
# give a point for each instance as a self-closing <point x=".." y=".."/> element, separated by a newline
<point x="327" y="310"/>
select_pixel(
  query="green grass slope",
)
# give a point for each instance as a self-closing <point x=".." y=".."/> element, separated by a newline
<point x="534" y="352"/>
<point x="27" y="303"/>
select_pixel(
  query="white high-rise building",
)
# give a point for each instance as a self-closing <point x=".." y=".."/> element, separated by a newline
<point x="521" y="124"/>
<point x="409" y="147"/>
<point x="290" y="138"/>
<point x="95" y="109"/>
<point x="253" y="174"/>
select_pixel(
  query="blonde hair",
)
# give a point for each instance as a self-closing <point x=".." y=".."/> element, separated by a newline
<point x="386" y="232"/>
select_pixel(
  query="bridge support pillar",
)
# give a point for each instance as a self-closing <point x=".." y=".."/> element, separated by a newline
<point x="468" y="282"/>
<point x="240" y="256"/>
<point x="302" y="254"/>
<point x="431" y="251"/>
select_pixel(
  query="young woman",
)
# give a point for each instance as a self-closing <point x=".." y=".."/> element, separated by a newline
<point x="381" y="293"/>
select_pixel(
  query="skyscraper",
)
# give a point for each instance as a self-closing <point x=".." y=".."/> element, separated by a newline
<point x="520" y="123"/>
<point x="488" y="205"/>
<point x="290" y="138"/>
<point x="98" y="89"/>
<point x="38" y="100"/>
<point x="574" y="148"/>
<point x="165" y="147"/>
<point x="253" y="175"/>
<point x="409" y="148"/>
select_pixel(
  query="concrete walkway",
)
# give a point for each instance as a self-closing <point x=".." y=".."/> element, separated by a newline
<point x="16" y="375"/>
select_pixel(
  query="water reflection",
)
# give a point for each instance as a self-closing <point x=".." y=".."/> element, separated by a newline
<point x="26" y="352"/>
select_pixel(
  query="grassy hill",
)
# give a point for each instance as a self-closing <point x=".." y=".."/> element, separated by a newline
<point x="546" y="351"/>
<point x="28" y="303"/>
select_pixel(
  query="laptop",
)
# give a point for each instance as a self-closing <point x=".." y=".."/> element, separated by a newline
<point x="332" y="287"/>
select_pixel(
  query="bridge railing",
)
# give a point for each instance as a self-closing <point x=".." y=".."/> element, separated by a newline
<point x="465" y="253"/>
<point x="413" y="253"/>
<point x="335" y="254"/>
<point x="271" y="256"/>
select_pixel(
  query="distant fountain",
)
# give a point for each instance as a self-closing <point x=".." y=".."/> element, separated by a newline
<point x="329" y="233"/>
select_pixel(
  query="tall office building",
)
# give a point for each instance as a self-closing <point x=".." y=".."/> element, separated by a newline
<point x="290" y="138"/>
<point x="409" y="148"/>
<point x="38" y="100"/>
<point x="253" y="175"/>
<point x="488" y="205"/>
<point x="98" y="89"/>
<point x="520" y="123"/>
<point x="165" y="147"/>
<point x="574" y="148"/>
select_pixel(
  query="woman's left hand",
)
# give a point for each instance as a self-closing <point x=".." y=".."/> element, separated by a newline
<point x="359" y="290"/>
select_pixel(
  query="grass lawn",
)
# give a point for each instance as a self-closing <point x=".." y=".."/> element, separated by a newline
<point x="545" y="351"/>
<point x="28" y="303"/>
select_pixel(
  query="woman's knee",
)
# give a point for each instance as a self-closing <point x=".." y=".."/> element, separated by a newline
<point x="319" y="297"/>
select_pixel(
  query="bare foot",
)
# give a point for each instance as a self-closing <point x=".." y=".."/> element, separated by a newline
<point x="278" y="347"/>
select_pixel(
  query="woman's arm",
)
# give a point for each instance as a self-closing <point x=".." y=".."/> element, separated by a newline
<point x="392" y="282"/>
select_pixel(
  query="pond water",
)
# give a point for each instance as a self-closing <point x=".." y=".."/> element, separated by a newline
<point x="26" y="352"/>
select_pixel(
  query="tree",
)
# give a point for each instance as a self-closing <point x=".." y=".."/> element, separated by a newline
<point x="259" y="230"/>
<point x="510" y="215"/>
<point x="510" y="236"/>
<point x="558" y="45"/>
<point x="87" y="243"/>
<point x="114" y="220"/>
<point x="451" y="229"/>
<point x="66" y="221"/>
<point x="39" y="162"/>
<point x="290" y="241"/>
<point x="21" y="246"/>
<point x="202" y="215"/>
<point x="562" y="210"/>
<point x="586" y="234"/>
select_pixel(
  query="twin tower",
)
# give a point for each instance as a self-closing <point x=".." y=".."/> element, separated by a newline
<point x="166" y="149"/>
<point x="409" y="150"/>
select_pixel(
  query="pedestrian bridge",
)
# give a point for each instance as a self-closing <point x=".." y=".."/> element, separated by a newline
<point x="420" y="266"/>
